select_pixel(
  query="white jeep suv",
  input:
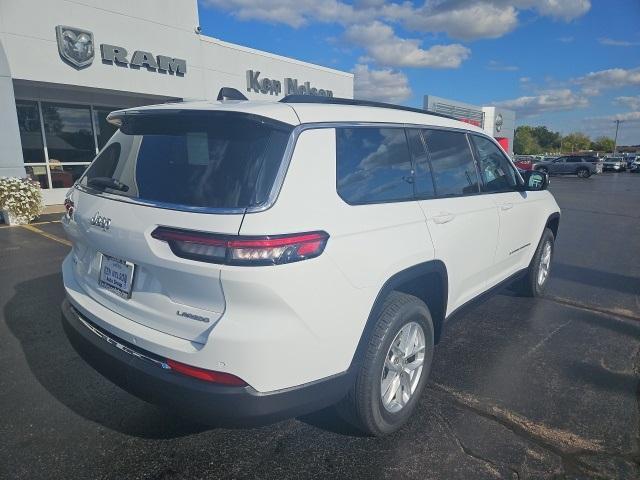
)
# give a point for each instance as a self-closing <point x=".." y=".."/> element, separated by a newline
<point x="243" y="262"/>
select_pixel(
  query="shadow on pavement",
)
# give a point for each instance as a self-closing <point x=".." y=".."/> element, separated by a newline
<point x="33" y="317"/>
<point x="597" y="278"/>
<point x="329" y="420"/>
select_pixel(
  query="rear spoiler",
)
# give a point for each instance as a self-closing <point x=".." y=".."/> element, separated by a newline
<point x="226" y="94"/>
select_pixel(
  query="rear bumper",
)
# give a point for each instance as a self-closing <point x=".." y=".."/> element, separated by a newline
<point x="141" y="374"/>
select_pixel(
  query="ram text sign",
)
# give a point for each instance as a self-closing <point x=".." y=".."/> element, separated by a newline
<point x="270" y="86"/>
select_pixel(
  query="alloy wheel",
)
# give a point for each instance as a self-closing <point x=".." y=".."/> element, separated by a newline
<point x="402" y="367"/>
<point x="545" y="264"/>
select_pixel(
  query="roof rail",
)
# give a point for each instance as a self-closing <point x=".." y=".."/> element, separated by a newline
<point x="363" y="103"/>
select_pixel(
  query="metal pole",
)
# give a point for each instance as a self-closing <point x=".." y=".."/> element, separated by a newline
<point x="615" y="141"/>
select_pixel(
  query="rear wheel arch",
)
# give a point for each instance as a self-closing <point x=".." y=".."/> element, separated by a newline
<point x="427" y="281"/>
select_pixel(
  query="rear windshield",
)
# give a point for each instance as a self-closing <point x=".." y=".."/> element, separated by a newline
<point x="194" y="159"/>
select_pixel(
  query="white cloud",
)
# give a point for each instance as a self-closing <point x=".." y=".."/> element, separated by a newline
<point x="560" y="9"/>
<point x="625" y="117"/>
<point x="593" y="82"/>
<point x="295" y="13"/>
<point x="549" y="101"/>
<point x="465" y="21"/>
<point x="383" y="46"/>
<point x="462" y="19"/>
<point x="524" y="79"/>
<point x="500" y="67"/>
<point x="382" y="85"/>
<point x="630" y="102"/>
<point x="617" y="43"/>
<point x="566" y="39"/>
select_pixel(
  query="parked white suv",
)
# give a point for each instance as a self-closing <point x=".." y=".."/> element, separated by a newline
<point x="241" y="262"/>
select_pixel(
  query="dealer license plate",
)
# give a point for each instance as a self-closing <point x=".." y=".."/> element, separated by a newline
<point x="116" y="275"/>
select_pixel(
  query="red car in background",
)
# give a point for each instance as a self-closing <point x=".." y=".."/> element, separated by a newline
<point x="524" y="162"/>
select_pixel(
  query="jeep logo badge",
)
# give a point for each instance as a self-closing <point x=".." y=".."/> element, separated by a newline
<point x="75" y="45"/>
<point x="101" y="222"/>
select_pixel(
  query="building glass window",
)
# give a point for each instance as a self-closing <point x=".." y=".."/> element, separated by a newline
<point x="69" y="133"/>
<point x="30" y="131"/>
<point x="69" y="143"/>
<point x="104" y="130"/>
<point x="39" y="174"/>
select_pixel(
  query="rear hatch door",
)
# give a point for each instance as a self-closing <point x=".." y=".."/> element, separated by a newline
<point x="193" y="172"/>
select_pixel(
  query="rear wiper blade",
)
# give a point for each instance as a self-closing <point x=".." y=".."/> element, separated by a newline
<point x="107" y="182"/>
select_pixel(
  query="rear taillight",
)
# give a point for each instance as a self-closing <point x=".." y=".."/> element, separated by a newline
<point x="242" y="250"/>
<point x="206" y="375"/>
<point x="69" y="207"/>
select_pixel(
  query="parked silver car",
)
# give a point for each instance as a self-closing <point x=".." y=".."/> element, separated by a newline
<point x="581" y="165"/>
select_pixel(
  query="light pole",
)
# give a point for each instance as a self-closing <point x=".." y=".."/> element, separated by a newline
<point x="615" y="140"/>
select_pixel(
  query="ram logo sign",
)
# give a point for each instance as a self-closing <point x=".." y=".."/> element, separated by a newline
<point x="76" y="46"/>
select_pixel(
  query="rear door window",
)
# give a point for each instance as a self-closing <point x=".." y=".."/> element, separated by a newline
<point x="373" y="165"/>
<point x="195" y="159"/>
<point x="497" y="173"/>
<point x="453" y="168"/>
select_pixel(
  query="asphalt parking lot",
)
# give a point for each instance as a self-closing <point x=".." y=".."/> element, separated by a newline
<point x="521" y="388"/>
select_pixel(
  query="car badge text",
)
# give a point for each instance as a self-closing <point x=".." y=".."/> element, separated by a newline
<point x="101" y="222"/>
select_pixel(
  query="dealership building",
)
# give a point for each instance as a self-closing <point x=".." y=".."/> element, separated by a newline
<point x="498" y="122"/>
<point x="65" y="64"/>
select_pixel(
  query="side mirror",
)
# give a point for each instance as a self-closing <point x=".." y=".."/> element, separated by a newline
<point x="535" y="180"/>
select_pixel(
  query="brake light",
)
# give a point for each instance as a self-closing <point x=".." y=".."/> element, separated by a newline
<point x="242" y="250"/>
<point x="69" y="207"/>
<point x="206" y="375"/>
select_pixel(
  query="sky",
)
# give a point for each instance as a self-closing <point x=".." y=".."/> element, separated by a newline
<point x="572" y="65"/>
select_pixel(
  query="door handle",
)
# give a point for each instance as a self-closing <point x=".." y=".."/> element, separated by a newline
<point x="443" y="217"/>
<point x="506" y="206"/>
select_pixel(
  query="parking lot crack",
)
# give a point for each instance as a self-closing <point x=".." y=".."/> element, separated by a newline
<point x="489" y="465"/>
<point x="572" y="449"/>
<point x="546" y="338"/>
<point x="558" y="441"/>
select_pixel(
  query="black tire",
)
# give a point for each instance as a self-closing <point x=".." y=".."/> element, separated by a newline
<point x="529" y="286"/>
<point x="583" y="173"/>
<point x="363" y="406"/>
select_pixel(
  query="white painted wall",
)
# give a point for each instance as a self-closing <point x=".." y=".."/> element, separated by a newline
<point x="11" y="162"/>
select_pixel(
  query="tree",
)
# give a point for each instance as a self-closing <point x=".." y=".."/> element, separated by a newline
<point x="524" y="142"/>
<point x="575" y="141"/>
<point x="602" y="144"/>
<point x="534" y="140"/>
<point x="548" y="140"/>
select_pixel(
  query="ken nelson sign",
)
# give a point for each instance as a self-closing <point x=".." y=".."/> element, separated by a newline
<point x="76" y="46"/>
<point x="274" y="87"/>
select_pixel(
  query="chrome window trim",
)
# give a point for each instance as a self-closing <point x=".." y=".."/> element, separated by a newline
<point x="282" y="170"/>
